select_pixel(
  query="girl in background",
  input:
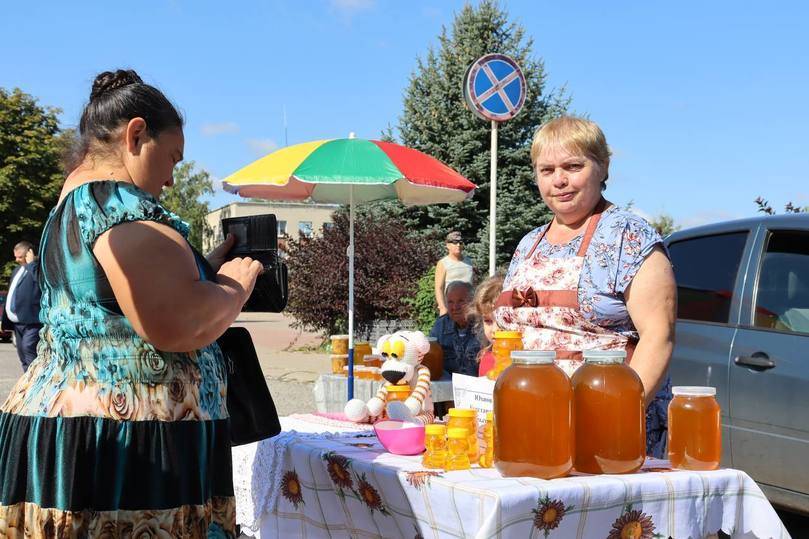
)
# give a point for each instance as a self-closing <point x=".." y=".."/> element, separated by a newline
<point x="483" y="307"/>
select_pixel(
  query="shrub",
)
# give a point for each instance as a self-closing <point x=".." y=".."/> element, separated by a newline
<point x="389" y="260"/>
<point x="424" y="309"/>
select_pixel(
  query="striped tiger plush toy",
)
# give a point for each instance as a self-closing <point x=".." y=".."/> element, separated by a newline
<point x="403" y="352"/>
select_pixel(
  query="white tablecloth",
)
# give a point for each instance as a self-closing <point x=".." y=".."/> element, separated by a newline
<point x="323" y="478"/>
<point x="331" y="391"/>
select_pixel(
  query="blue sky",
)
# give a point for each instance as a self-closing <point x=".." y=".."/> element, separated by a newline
<point x="704" y="103"/>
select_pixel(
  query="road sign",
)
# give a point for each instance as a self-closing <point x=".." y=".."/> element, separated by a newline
<point x="494" y="88"/>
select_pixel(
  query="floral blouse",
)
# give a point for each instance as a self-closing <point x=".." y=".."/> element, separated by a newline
<point x="621" y="243"/>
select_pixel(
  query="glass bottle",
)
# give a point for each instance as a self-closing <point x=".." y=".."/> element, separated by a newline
<point x="695" y="428"/>
<point x="533" y="417"/>
<point x="609" y="415"/>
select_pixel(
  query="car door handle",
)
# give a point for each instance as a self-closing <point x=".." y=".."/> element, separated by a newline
<point x="758" y="361"/>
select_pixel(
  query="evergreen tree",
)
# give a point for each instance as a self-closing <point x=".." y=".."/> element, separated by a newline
<point x="185" y="199"/>
<point x="31" y="147"/>
<point x="436" y="120"/>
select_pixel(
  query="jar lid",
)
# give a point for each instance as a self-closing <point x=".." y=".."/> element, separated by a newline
<point x="604" y="356"/>
<point x="363" y="344"/>
<point x="457" y="432"/>
<point x="462" y="412"/>
<point x="435" y="428"/>
<point x="533" y="357"/>
<point x="489" y="416"/>
<point x="693" y="391"/>
<point x="432" y="339"/>
<point x="501" y="334"/>
<point x="338" y="337"/>
<point x="397" y="389"/>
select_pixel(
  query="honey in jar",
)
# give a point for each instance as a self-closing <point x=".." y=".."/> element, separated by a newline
<point x="466" y="418"/>
<point x="361" y="349"/>
<point x="434" y="359"/>
<point x="609" y="418"/>
<point x="397" y="393"/>
<point x="504" y="343"/>
<point x="363" y="373"/>
<point x="533" y="417"/>
<point x="435" y="441"/>
<point x="457" y="449"/>
<point x="487" y="451"/>
<point x="372" y="360"/>
<point x="695" y="431"/>
<point x="338" y="361"/>
<point x="339" y="344"/>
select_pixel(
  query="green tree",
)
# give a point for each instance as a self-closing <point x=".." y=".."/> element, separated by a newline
<point x="789" y="207"/>
<point x="31" y="148"/>
<point x="436" y="120"/>
<point x="664" y="224"/>
<point x="185" y="199"/>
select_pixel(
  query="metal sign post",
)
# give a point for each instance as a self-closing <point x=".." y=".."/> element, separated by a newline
<point x="495" y="90"/>
<point x="493" y="203"/>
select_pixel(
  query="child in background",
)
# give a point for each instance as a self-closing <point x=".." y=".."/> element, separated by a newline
<point x="483" y="304"/>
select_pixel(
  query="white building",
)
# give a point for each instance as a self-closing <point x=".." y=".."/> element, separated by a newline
<point x="295" y="219"/>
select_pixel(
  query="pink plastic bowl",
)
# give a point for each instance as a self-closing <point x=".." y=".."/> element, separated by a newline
<point x="401" y="438"/>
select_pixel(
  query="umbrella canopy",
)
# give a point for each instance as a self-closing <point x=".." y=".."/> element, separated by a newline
<point x="349" y="171"/>
<point x="325" y="171"/>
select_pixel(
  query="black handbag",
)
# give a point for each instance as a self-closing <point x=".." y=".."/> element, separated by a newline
<point x="252" y="411"/>
<point x="250" y="406"/>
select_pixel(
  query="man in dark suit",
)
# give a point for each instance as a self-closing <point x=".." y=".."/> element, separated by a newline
<point x="21" y="311"/>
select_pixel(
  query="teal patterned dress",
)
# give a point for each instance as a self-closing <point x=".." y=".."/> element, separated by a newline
<point x="106" y="436"/>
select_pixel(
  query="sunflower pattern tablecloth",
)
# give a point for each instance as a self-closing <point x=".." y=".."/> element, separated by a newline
<point x="341" y="483"/>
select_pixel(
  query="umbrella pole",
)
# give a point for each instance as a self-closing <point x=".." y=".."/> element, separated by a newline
<point x="351" y="293"/>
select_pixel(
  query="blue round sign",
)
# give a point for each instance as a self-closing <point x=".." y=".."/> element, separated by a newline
<point x="494" y="87"/>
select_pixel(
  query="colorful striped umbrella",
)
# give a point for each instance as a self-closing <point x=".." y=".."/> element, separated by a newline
<point x="327" y="170"/>
<point x="350" y="171"/>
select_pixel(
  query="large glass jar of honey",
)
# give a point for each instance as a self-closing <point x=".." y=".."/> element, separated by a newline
<point x="609" y="415"/>
<point x="695" y="430"/>
<point x="434" y="359"/>
<point x="504" y="343"/>
<point x="533" y="417"/>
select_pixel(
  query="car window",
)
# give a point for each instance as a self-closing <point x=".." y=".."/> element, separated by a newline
<point x="706" y="269"/>
<point x="782" y="297"/>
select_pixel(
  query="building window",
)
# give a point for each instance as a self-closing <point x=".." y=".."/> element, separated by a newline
<point x="305" y="229"/>
<point x="282" y="228"/>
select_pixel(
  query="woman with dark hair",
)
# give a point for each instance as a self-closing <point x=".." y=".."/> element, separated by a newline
<point x="119" y="427"/>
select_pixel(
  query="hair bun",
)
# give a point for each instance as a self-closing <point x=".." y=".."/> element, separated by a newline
<point x="112" y="80"/>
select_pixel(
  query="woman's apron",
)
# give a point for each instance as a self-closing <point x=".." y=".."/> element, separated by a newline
<point x="543" y="303"/>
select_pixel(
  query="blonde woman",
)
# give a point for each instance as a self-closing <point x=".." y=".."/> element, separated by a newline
<point x="596" y="276"/>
